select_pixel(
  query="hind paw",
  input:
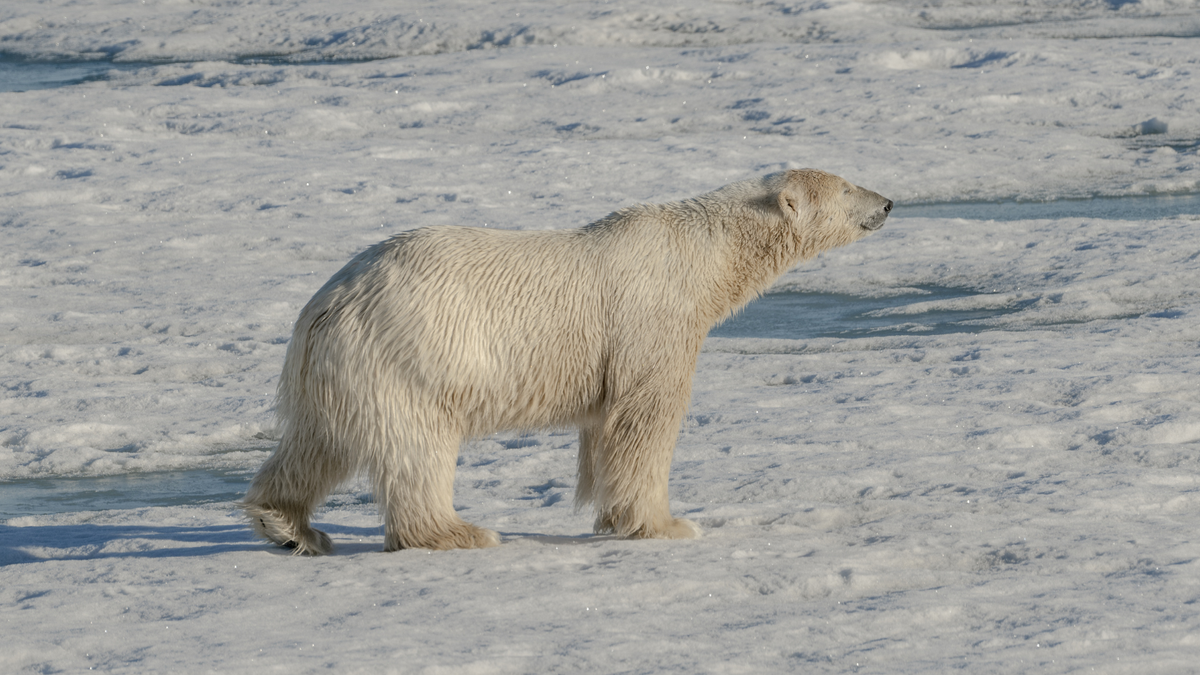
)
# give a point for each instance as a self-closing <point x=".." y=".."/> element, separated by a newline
<point x="459" y="535"/>
<point x="675" y="528"/>
<point x="311" y="542"/>
<point x="282" y="530"/>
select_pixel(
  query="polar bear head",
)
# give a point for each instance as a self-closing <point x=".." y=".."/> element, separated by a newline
<point x="835" y="206"/>
<point x="767" y="225"/>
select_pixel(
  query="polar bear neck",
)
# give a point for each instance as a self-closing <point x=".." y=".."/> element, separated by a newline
<point x="730" y="250"/>
<point x="720" y="250"/>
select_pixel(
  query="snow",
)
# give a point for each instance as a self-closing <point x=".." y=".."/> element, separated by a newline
<point x="1016" y="493"/>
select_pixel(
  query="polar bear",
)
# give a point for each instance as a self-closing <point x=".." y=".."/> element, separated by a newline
<point x="442" y="334"/>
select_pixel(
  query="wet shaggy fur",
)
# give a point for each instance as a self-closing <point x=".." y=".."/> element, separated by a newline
<point x="447" y="333"/>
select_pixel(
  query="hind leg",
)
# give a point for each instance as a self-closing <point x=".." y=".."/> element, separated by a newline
<point x="414" y="484"/>
<point x="291" y="484"/>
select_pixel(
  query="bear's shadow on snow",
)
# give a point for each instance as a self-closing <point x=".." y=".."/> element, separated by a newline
<point x="371" y="539"/>
<point x="556" y="539"/>
<point x="89" y="541"/>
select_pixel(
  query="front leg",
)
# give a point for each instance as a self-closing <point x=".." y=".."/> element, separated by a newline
<point x="631" y="464"/>
<point x="590" y="441"/>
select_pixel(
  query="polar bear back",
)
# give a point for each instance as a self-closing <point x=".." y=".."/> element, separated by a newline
<point x="518" y="329"/>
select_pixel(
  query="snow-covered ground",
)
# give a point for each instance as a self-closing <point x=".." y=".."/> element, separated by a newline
<point x="1017" y="494"/>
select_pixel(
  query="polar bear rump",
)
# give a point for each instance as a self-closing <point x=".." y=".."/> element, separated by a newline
<point x="442" y="334"/>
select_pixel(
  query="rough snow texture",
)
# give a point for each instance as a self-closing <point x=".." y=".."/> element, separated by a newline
<point x="1024" y="498"/>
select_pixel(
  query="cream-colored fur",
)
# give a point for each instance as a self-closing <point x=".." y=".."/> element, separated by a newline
<point x="442" y="334"/>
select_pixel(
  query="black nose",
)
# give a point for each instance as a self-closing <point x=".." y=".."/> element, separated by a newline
<point x="888" y="208"/>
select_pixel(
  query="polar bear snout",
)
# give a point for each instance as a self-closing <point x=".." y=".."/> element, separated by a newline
<point x="874" y="210"/>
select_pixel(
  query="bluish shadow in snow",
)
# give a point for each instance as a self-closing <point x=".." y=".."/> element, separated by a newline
<point x="1143" y="207"/>
<point x="92" y="541"/>
<point x="556" y="540"/>
<point x="803" y="316"/>
<point x="17" y="74"/>
<point x="39" y="496"/>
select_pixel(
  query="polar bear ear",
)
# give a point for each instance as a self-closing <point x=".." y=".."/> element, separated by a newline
<point x="790" y="202"/>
